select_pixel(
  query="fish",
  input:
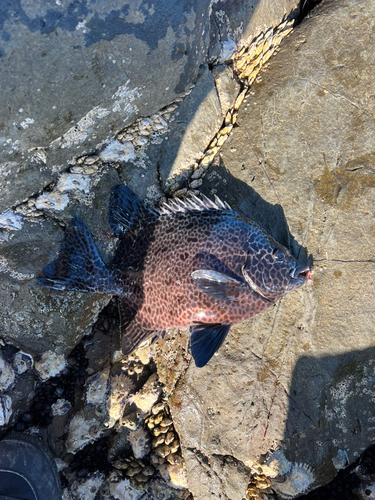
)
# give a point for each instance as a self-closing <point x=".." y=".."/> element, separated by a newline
<point x="192" y="263"/>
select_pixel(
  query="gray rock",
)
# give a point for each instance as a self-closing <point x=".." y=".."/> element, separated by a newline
<point x="38" y="319"/>
<point x="171" y="158"/>
<point x="219" y="477"/>
<point x="241" y="20"/>
<point x="89" y="70"/>
<point x="227" y="86"/>
<point x="298" y="377"/>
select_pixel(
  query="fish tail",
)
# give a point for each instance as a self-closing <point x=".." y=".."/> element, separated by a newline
<point x="79" y="265"/>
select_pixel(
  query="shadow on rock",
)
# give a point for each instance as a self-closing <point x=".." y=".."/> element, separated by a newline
<point x="331" y="408"/>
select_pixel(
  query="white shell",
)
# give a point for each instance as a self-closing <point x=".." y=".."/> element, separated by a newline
<point x="10" y="220"/>
<point x="7" y="375"/>
<point x="61" y="407"/>
<point x="140" y="442"/>
<point x="124" y="489"/>
<point x="5" y="409"/>
<point x="52" y="201"/>
<point x="88" y="489"/>
<point x="82" y="432"/>
<point x="148" y="395"/>
<point x="118" y="151"/>
<point x="73" y="182"/>
<point x="22" y="362"/>
<point x="297" y="481"/>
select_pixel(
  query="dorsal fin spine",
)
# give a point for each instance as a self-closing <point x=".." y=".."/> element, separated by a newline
<point x="192" y="203"/>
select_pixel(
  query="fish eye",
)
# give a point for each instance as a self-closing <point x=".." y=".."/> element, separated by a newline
<point x="278" y="254"/>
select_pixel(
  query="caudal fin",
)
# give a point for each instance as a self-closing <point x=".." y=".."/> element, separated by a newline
<point x="79" y="265"/>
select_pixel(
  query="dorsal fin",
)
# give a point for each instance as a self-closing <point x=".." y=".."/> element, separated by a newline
<point x="193" y="203"/>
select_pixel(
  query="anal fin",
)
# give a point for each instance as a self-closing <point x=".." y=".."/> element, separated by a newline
<point x="205" y="340"/>
<point x="133" y="335"/>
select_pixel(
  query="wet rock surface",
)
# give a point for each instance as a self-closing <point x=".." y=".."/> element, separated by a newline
<point x="287" y="402"/>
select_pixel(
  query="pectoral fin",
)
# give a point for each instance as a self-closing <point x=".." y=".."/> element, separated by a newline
<point x="216" y="285"/>
<point x="205" y="340"/>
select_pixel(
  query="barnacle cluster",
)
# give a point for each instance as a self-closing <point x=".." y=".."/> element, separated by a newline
<point x="277" y="475"/>
<point x="166" y="452"/>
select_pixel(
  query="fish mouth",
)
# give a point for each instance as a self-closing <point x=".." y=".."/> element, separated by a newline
<point x="305" y="273"/>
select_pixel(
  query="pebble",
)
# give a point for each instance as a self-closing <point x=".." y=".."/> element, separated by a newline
<point x="162" y="450"/>
<point x="196" y="184"/>
<point x="90" y="160"/>
<point x="157" y="409"/>
<point x="166" y="422"/>
<point x="169" y="437"/>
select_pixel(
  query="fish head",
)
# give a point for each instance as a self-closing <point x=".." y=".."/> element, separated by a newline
<point x="272" y="271"/>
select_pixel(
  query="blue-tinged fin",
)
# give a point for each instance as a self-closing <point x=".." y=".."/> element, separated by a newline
<point x="217" y="285"/>
<point x="205" y="340"/>
<point x="79" y="266"/>
<point x="126" y="211"/>
<point x="192" y="203"/>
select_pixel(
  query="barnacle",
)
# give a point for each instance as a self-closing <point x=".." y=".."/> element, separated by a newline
<point x="22" y="362"/>
<point x="120" y="388"/>
<point x="296" y="481"/>
<point x="97" y="388"/>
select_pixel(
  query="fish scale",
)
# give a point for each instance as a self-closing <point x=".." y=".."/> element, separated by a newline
<point x="195" y="263"/>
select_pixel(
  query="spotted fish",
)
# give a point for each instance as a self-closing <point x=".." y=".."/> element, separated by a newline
<point x="194" y="263"/>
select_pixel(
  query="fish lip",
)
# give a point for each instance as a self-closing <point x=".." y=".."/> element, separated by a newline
<point x="304" y="273"/>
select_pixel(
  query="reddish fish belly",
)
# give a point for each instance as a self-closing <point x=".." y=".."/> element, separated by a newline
<point x="183" y="312"/>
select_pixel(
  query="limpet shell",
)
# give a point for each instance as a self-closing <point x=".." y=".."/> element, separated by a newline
<point x="297" y="481"/>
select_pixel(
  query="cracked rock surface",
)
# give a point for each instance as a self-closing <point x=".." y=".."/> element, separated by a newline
<point x="289" y="398"/>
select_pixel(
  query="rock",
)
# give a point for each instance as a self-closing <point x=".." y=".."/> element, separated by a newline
<point x="174" y="475"/>
<point x="219" y="476"/>
<point x="298" y="377"/>
<point x="242" y="20"/>
<point x="87" y="489"/>
<point x="172" y="359"/>
<point x="81" y="432"/>
<point x="49" y="364"/>
<point x="140" y="442"/>
<point x="123" y="60"/>
<point x="38" y="319"/>
<point x="148" y="395"/>
<point x="199" y="118"/>
<point x="226" y="85"/>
